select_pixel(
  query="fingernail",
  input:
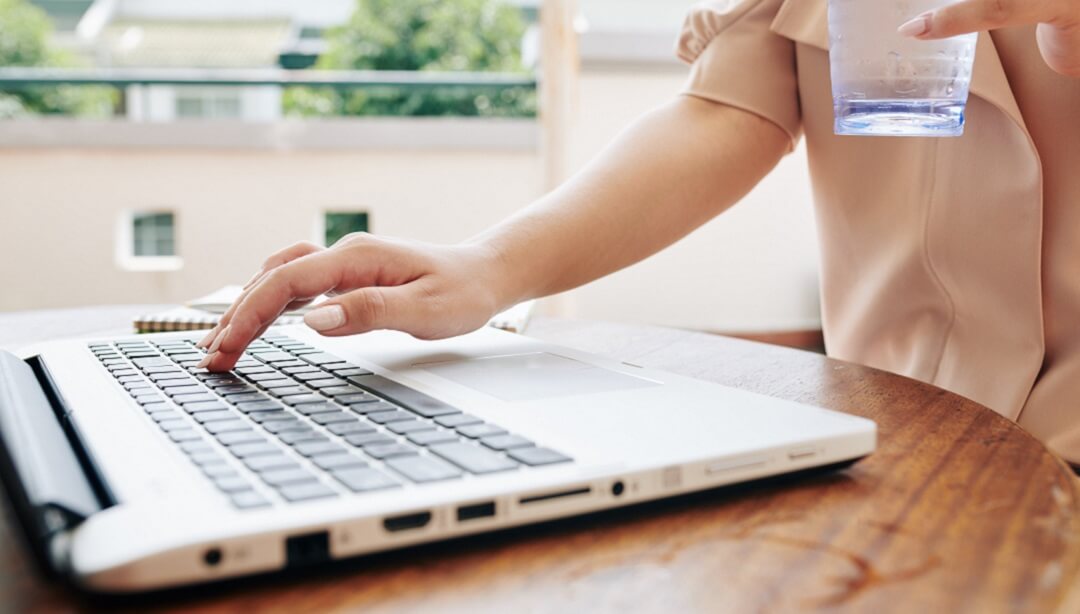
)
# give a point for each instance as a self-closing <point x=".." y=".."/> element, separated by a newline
<point x="217" y="341"/>
<point x="916" y="27"/>
<point x="208" y="338"/>
<point x="325" y="318"/>
<point x="205" y="361"/>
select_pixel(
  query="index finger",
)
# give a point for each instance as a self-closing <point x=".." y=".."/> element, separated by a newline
<point x="300" y="279"/>
<point x="977" y="16"/>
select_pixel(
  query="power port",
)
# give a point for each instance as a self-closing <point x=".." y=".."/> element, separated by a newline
<point x="476" y="510"/>
<point x="309" y="549"/>
<point x="406" y="522"/>
<point x="618" y="488"/>
<point x="212" y="557"/>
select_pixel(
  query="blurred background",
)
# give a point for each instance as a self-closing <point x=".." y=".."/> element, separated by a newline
<point x="152" y="151"/>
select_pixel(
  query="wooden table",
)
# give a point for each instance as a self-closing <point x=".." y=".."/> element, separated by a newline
<point x="958" y="511"/>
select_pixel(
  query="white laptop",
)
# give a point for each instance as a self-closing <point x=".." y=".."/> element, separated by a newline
<point x="132" y="470"/>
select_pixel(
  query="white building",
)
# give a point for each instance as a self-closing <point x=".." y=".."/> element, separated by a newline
<point x="241" y="189"/>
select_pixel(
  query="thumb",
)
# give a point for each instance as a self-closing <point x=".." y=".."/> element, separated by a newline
<point x="367" y="309"/>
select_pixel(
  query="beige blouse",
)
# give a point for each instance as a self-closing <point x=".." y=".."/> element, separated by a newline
<point x="955" y="261"/>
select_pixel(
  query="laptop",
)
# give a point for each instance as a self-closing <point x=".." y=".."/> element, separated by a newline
<point x="132" y="470"/>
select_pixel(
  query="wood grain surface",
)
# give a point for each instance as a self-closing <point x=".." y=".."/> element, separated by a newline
<point x="958" y="511"/>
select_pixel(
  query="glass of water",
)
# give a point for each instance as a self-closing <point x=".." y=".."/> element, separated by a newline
<point x="885" y="84"/>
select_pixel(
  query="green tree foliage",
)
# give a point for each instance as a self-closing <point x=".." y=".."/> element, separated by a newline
<point x="423" y="35"/>
<point x="24" y="41"/>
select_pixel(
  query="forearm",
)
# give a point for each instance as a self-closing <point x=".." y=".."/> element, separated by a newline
<point x="669" y="173"/>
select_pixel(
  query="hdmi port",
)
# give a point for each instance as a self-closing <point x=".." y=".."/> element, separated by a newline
<point x="406" y="522"/>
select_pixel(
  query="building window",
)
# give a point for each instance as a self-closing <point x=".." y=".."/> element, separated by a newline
<point x="146" y="241"/>
<point x="337" y="224"/>
<point x="153" y="234"/>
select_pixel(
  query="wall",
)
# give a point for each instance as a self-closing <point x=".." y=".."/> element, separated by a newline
<point x="753" y="269"/>
<point x="59" y="210"/>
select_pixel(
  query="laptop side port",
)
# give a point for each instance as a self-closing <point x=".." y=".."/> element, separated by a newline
<point x="406" y="522"/>
<point x="307" y="549"/>
<point x="476" y="510"/>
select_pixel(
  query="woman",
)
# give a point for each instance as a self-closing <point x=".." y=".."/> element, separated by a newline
<point x="954" y="261"/>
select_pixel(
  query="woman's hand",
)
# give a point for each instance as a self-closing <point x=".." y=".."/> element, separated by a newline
<point x="428" y="291"/>
<point x="1058" y="32"/>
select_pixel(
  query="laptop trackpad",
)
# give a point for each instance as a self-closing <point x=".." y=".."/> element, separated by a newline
<point x="537" y="375"/>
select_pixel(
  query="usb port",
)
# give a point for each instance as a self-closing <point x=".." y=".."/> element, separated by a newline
<point x="476" y="510"/>
<point x="406" y="521"/>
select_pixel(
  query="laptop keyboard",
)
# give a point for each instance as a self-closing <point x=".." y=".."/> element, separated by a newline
<point x="292" y="423"/>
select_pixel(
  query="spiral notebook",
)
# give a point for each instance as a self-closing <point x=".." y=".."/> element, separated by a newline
<point x="204" y="313"/>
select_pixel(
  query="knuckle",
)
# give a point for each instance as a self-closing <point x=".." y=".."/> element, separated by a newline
<point x="355" y="238"/>
<point x="368" y="308"/>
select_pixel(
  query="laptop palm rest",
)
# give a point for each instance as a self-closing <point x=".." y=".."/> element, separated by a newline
<point x="533" y="376"/>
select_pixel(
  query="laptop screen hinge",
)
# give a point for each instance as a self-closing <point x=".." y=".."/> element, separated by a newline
<point x="49" y="475"/>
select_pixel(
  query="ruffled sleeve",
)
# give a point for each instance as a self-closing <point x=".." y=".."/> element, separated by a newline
<point x="737" y="60"/>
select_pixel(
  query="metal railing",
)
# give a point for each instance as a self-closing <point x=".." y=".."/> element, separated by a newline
<point x="15" y="77"/>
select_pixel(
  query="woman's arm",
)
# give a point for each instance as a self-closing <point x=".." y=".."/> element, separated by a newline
<point x="670" y="172"/>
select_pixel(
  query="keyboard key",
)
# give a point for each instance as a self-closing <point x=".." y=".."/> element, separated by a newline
<point x="413" y="400"/>
<point x="204" y="406"/>
<point x="363" y="479"/>
<point x="152" y="362"/>
<point x="286" y="391"/>
<point x="409" y="426"/>
<point x="218" y="469"/>
<point x="457" y="420"/>
<point x="232" y="484"/>
<point x="169" y="415"/>
<point x="423" y="468"/>
<point x="306" y="491"/>
<point x="309" y="373"/>
<point x="291" y="437"/>
<point x="180" y="435"/>
<point x="301" y="399"/>
<point x="505" y="442"/>
<point x="168" y="375"/>
<point x="213" y="416"/>
<point x="481" y="430"/>
<point x="473" y="458"/>
<point x="264" y="377"/>
<point x="225" y="425"/>
<point x="187" y="399"/>
<point x="333" y="418"/>
<point x="191" y="357"/>
<point x="249" y="499"/>
<point x="281" y="477"/>
<point x="229" y="438"/>
<point x="244" y="450"/>
<point x="345" y="428"/>
<point x="369" y="408"/>
<point x="149" y="399"/>
<point x="130" y="379"/>
<point x="344" y="369"/>
<point x="269" y="462"/>
<point x="260" y="417"/>
<point x="338" y="461"/>
<point x="426" y="438"/>
<point x="330" y="382"/>
<point x="234" y="389"/>
<point x="383" y="417"/>
<point x="257" y="406"/>
<point x="343" y="391"/>
<point x="249" y="397"/>
<point x="320" y="358"/>
<point x="195" y="446"/>
<point x="155" y="407"/>
<point x="281" y="382"/>
<point x="538" y="456"/>
<point x="357" y="397"/>
<point x="253" y="370"/>
<point x="172" y="424"/>
<point x="389" y="450"/>
<point x="309" y="409"/>
<point x="280" y="426"/>
<point x="315" y="448"/>
<point x="368" y="439"/>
